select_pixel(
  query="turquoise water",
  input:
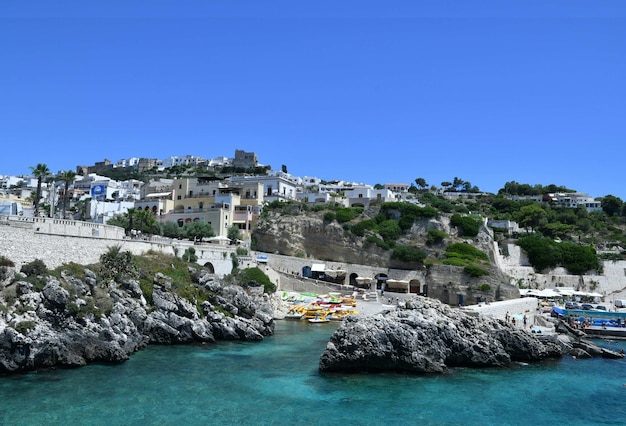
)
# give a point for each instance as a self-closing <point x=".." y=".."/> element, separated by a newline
<point x="276" y="382"/>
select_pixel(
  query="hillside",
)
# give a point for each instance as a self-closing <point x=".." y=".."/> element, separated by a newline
<point x="451" y="245"/>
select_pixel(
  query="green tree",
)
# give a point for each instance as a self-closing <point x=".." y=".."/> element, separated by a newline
<point x="458" y="183"/>
<point x="531" y="216"/>
<point x="131" y="215"/>
<point x="67" y="177"/>
<point x="197" y="231"/>
<point x="611" y="205"/>
<point x="147" y="222"/>
<point x="421" y="183"/>
<point x="170" y="229"/>
<point x="41" y="172"/>
<point x="234" y="233"/>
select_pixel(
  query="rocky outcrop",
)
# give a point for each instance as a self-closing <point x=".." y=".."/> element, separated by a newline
<point x="72" y="322"/>
<point x="426" y="336"/>
<point x="310" y="234"/>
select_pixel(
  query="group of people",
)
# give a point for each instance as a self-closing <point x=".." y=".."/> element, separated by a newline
<point x="510" y="318"/>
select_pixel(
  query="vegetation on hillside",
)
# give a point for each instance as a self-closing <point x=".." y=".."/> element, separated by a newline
<point x="569" y="235"/>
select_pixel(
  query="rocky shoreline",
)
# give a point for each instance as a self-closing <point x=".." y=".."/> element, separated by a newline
<point x="55" y="327"/>
<point x="69" y="321"/>
<point x="425" y="336"/>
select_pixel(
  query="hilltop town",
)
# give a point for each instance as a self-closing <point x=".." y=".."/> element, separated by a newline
<point x="223" y="192"/>
<point x="239" y="201"/>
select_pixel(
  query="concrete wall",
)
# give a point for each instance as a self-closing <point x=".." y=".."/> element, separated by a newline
<point x="21" y="243"/>
<point x="611" y="283"/>
<point x="64" y="227"/>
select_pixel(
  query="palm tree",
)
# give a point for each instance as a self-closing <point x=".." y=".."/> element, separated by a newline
<point x="146" y="221"/>
<point x="66" y="176"/>
<point x="131" y="213"/>
<point x="40" y="171"/>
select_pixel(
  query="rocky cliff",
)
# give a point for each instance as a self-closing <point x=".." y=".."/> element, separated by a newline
<point x="68" y="321"/>
<point x="309" y="235"/>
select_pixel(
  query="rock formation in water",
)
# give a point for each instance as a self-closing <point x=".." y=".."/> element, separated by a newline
<point x="72" y="321"/>
<point x="426" y="336"/>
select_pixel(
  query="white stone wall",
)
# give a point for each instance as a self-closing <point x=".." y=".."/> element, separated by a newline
<point x="612" y="282"/>
<point x="22" y="245"/>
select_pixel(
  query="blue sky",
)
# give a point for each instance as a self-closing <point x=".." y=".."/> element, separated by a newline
<point x="365" y="91"/>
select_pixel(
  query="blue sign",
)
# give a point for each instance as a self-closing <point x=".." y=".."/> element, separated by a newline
<point x="98" y="192"/>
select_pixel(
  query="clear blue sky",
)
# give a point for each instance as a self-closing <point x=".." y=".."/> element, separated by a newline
<point x="366" y="91"/>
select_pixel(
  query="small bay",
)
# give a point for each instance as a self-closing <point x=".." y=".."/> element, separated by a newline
<point x="276" y="382"/>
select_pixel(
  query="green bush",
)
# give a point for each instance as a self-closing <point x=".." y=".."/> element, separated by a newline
<point x="544" y="253"/>
<point x="25" y="326"/>
<point x="435" y="236"/>
<point x="329" y="217"/>
<point x="469" y="226"/>
<point x="389" y="230"/>
<point x="34" y="268"/>
<point x="116" y="264"/>
<point x="475" y="271"/>
<point x="346" y="214"/>
<point x="190" y="255"/>
<point x="254" y="277"/>
<point x="377" y="241"/>
<point x="359" y="228"/>
<point x="453" y="261"/>
<point x="466" y="251"/>
<point x="485" y="287"/>
<point x="408" y="254"/>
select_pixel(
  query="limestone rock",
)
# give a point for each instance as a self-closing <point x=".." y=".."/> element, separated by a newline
<point x="428" y="337"/>
<point x="107" y="323"/>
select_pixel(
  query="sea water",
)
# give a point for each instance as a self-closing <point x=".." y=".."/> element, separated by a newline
<point x="277" y="382"/>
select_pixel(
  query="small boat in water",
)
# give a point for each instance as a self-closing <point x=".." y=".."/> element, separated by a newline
<point x="318" y="319"/>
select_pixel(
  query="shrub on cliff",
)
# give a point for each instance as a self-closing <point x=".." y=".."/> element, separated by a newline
<point x="254" y="277"/>
<point x="408" y="254"/>
<point x="435" y="236"/>
<point x="475" y="271"/>
<point x="116" y="264"/>
<point x="466" y="251"/>
<point x="34" y="268"/>
<point x="544" y="253"/>
<point x="468" y="225"/>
